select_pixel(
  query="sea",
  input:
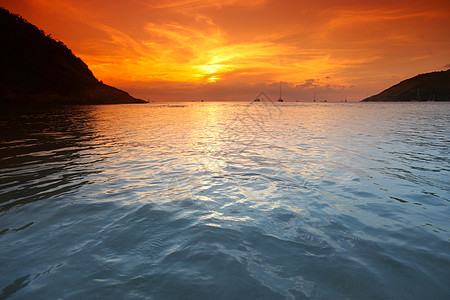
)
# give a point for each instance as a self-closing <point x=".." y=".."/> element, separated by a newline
<point x="225" y="200"/>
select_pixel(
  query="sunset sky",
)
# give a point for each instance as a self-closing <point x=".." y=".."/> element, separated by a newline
<point x="231" y="50"/>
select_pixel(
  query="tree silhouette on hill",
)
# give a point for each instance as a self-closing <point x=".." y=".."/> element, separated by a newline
<point x="35" y="68"/>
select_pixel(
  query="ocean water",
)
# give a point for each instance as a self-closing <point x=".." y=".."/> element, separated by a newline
<point x="226" y="201"/>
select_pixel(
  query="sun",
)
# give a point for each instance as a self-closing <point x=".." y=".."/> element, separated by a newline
<point x="213" y="79"/>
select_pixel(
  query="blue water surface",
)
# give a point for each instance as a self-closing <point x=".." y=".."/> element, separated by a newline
<point x="226" y="200"/>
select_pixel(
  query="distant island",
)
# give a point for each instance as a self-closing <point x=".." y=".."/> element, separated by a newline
<point x="36" y="69"/>
<point x="433" y="86"/>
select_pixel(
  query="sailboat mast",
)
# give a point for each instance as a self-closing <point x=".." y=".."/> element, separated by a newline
<point x="279" y="99"/>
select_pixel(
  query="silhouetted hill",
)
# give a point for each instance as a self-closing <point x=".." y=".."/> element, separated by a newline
<point x="36" y="69"/>
<point x="431" y="86"/>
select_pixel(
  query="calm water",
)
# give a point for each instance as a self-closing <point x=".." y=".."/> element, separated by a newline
<point x="226" y="200"/>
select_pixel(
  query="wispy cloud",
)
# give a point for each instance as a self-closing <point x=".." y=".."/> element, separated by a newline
<point x="199" y="4"/>
<point x="179" y="53"/>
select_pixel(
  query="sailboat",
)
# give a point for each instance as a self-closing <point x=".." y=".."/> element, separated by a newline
<point x="279" y="99"/>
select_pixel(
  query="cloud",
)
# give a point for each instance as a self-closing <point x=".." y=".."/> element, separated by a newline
<point x="200" y="53"/>
<point x="190" y="5"/>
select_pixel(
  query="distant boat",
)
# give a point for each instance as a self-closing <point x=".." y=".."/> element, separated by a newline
<point x="257" y="100"/>
<point x="279" y="99"/>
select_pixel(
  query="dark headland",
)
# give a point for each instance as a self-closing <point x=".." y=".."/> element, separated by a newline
<point x="36" y="69"/>
<point x="433" y="86"/>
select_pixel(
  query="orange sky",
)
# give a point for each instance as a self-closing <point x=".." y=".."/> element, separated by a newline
<point x="231" y="50"/>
